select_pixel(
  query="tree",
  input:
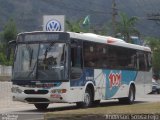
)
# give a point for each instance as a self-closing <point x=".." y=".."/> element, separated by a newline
<point x="74" y="26"/>
<point x="79" y="26"/>
<point x="9" y="33"/>
<point x="154" y="44"/>
<point x="100" y="30"/>
<point x="126" y="26"/>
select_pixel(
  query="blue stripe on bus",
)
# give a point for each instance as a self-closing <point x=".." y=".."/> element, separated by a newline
<point x="86" y="76"/>
<point x="116" y="78"/>
<point x="113" y="79"/>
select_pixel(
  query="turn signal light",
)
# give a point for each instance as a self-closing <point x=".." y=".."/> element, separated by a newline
<point x="59" y="91"/>
<point x="63" y="91"/>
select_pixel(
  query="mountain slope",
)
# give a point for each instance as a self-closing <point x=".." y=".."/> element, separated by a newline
<point x="28" y="13"/>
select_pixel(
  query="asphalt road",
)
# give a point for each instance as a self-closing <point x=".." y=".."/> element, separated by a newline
<point x="24" y="111"/>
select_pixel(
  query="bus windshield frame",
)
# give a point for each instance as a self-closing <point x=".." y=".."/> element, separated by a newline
<point x="41" y="58"/>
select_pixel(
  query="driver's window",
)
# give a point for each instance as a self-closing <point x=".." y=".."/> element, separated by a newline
<point x="76" y="59"/>
<point x="25" y="59"/>
<point x="51" y="56"/>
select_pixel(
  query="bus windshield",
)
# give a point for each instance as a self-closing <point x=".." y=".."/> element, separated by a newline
<point x="40" y="61"/>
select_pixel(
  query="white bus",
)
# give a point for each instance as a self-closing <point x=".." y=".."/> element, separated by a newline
<point x="81" y="68"/>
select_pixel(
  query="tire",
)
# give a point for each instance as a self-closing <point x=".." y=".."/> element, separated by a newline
<point x="96" y="102"/>
<point x="131" y="97"/>
<point x="88" y="100"/>
<point x="122" y="100"/>
<point x="41" y="106"/>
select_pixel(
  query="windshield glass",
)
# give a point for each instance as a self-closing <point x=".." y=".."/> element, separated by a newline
<point x="44" y="61"/>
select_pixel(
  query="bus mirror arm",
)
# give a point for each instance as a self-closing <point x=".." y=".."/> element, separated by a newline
<point x="11" y="44"/>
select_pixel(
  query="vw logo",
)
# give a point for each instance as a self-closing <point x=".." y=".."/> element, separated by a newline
<point x="53" y="25"/>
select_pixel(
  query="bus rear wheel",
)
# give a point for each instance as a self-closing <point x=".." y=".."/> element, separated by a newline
<point x="41" y="106"/>
<point x="131" y="96"/>
<point x="96" y="102"/>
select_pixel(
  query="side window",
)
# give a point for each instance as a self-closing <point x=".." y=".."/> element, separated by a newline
<point x="89" y="54"/>
<point x="121" y="58"/>
<point x="95" y="55"/>
<point x="76" y="59"/>
<point x="130" y="59"/>
<point x="134" y="60"/>
<point x="100" y="56"/>
<point x="148" y="61"/>
<point x="112" y="57"/>
<point x="142" y="62"/>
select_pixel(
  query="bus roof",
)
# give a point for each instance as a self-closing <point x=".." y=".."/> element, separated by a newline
<point x="99" y="39"/>
<point x="107" y="40"/>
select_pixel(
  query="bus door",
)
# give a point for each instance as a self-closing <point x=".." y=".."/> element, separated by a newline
<point x="76" y="63"/>
<point x="76" y="71"/>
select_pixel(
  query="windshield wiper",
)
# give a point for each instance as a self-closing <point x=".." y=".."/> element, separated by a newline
<point x="47" y="50"/>
<point x="35" y="65"/>
<point x="32" y="71"/>
<point x="30" y="54"/>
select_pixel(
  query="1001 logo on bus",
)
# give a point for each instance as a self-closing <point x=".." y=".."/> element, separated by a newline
<point x="115" y="79"/>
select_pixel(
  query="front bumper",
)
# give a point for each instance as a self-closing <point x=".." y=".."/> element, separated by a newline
<point x="34" y="95"/>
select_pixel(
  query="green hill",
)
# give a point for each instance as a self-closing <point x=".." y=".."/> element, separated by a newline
<point x="28" y="13"/>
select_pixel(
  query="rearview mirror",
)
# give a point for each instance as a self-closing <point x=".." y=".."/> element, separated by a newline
<point x="11" y="45"/>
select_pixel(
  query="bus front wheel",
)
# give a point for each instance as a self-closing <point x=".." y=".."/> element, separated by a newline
<point x="41" y="106"/>
<point x="88" y="99"/>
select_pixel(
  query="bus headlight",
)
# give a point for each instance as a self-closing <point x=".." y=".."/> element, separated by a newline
<point x="58" y="91"/>
<point x="16" y="90"/>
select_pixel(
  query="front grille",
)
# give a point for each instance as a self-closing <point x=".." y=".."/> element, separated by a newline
<point x="36" y="92"/>
<point x="32" y="100"/>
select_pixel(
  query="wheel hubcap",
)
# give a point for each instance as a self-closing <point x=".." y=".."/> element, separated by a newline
<point x="87" y="99"/>
<point x="131" y="95"/>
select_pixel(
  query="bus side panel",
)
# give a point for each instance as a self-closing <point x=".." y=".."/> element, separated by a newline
<point x="77" y="86"/>
<point x="148" y="81"/>
<point x="117" y="82"/>
<point x="75" y="94"/>
<point x="100" y="82"/>
<point x="143" y="83"/>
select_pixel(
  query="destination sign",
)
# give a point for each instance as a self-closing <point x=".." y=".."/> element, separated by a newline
<point x="28" y="37"/>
